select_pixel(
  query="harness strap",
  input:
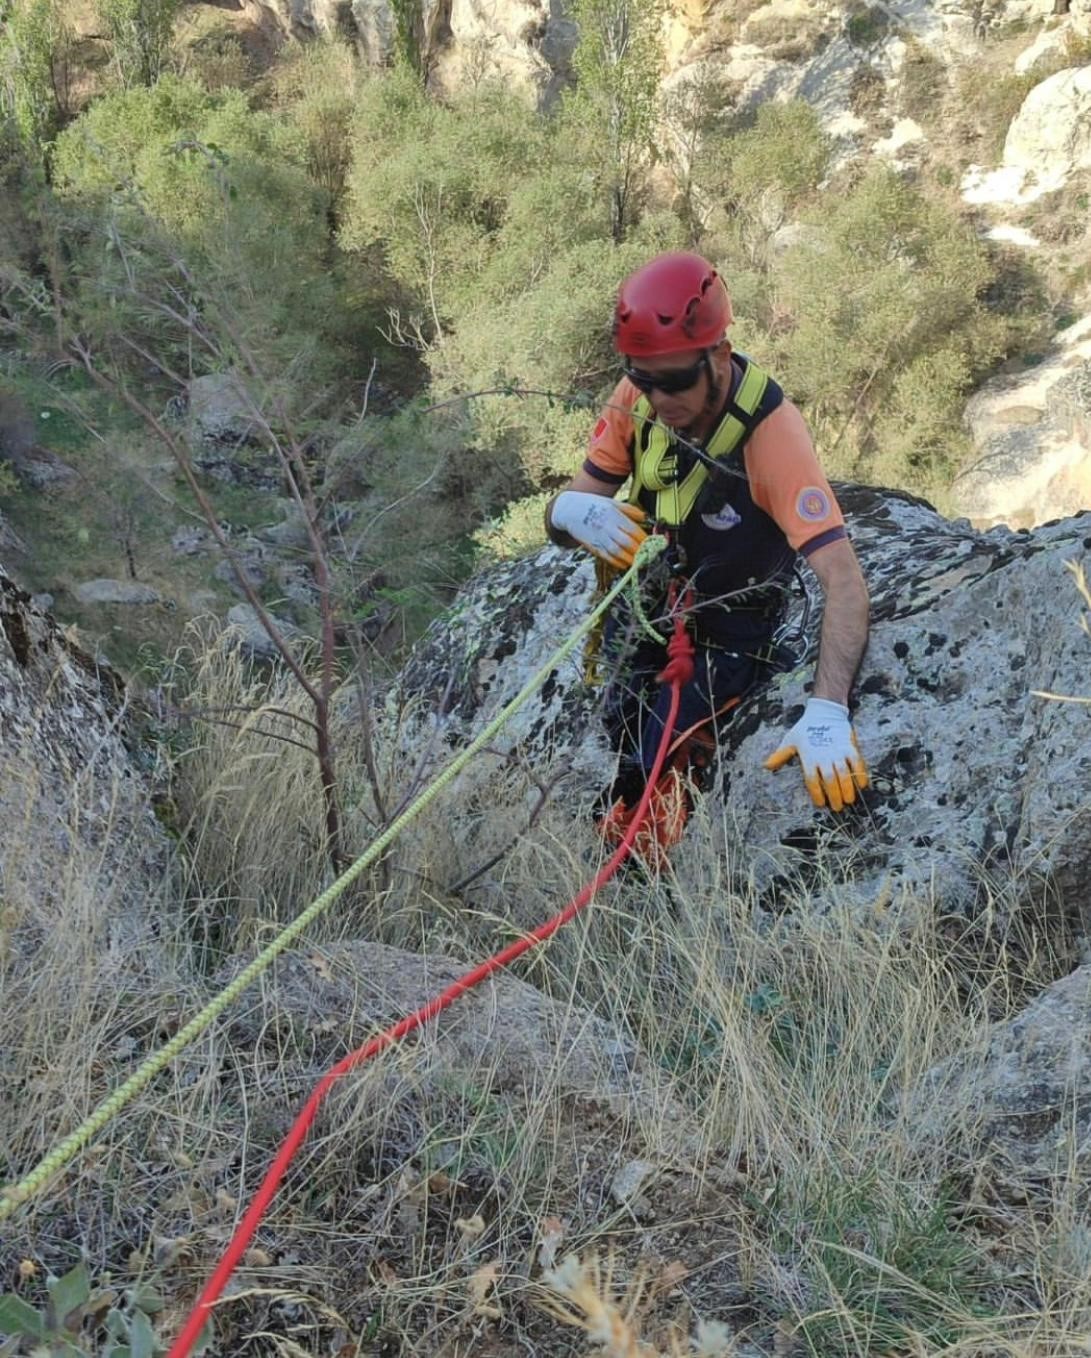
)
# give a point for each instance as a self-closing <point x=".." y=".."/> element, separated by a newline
<point x="656" y="455"/>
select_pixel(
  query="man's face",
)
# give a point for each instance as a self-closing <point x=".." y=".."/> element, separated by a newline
<point x="686" y="378"/>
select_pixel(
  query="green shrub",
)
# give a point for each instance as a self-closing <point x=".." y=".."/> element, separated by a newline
<point x="884" y="303"/>
<point x="431" y="186"/>
<point x="553" y="336"/>
<point x="923" y="85"/>
<point x="217" y="59"/>
<point x="885" y="1270"/>
<point x="618" y="64"/>
<point x="140" y="33"/>
<point x="989" y="107"/>
<point x="35" y="59"/>
<point x="786" y="151"/>
<point x="175" y="173"/>
<point x="866" y="25"/>
<point x="315" y="91"/>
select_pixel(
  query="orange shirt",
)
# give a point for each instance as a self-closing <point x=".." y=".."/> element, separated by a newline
<point x="786" y="480"/>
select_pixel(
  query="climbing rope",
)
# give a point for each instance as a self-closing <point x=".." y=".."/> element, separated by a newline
<point x="66" y="1151"/>
<point x="678" y="672"/>
<point x="636" y="602"/>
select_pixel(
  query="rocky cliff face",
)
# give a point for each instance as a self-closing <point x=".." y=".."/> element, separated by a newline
<point x="979" y="794"/>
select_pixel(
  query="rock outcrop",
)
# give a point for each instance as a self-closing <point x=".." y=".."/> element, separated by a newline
<point x="980" y="784"/>
<point x="1048" y="143"/>
<point x="75" y="812"/>
<point x="1032" y="440"/>
<point x="1026" y="1097"/>
<point x="504" y="1037"/>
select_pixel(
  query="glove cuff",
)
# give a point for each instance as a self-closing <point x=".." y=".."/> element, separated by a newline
<point x="825" y="709"/>
<point x="556" y="535"/>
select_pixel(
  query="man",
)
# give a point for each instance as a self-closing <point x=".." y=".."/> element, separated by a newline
<point x="723" y="463"/>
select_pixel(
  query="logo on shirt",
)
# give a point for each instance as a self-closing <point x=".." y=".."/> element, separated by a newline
<point x="599" y="429"/>
<point x="727" y="517"/>
<point x="813" y="504"/>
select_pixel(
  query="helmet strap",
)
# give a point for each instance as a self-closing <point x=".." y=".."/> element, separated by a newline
<point x="712" y="402"/>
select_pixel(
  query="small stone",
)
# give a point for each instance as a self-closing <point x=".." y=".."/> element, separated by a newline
<point x="629" y="1180"/>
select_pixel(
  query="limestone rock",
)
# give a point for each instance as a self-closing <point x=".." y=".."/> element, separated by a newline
<point x="125" y="592"/>
<point x="528" y="43"/>
<point x="189" y="540"/>
<point x="1026" y="1096"/>
<point x="41" y="469"/>
<point x="251" y="635"/>
<point x="502" y="1036"/>
<point x="218" y="409"/>
<point x="251" y="562"/>
<point x="1032" y="440"/>
<point x="11" y="544"/>
<point x="978" y="784"/>
<point x="1048" y="142"/>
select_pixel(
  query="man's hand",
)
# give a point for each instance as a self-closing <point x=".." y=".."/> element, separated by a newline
<point x="833" y="767"/>
<point x="611" y="530"/>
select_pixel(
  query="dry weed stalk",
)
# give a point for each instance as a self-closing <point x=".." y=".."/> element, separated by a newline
<point x="611" y="1323"/>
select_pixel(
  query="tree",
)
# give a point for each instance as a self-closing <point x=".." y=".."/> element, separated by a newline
<point x="618" y="62"/>
<point x="35" y="50"/>
<point x="141" y="32"/>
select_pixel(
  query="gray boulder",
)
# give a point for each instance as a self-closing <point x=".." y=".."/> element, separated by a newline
<point x="1025" y="1097"/>
<point x="980" y="787"/>
<point x="218" y="409"/>
<point x="252" y="636"/>
<point x="1032" y="440"/>
<point x="126" y="592"/>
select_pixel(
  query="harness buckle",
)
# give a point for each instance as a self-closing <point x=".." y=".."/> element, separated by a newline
<point x="675" y="555"/>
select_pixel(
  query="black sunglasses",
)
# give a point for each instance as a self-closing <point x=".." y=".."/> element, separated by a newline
<point x="668" y="383"/>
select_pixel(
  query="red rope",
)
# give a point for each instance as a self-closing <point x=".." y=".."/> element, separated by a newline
<point x="245" y="1231"/>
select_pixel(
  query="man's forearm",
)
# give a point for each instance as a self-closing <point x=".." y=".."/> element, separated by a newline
<point x="844" y="637"/>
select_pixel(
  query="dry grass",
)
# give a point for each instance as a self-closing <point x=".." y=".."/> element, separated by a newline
<point x="788" y="1206"/>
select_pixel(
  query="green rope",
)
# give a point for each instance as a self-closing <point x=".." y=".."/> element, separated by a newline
<point x="66" y="1151"/>
<point x="636" y="602"/>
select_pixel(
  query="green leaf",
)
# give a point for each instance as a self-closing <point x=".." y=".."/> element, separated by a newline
<point x="69" y="1294"/>
<point x="117" y="1324"/>
<point x="141" y="1336"/>
<point x="17" y="1317"/>
<point x="144" y="1297"/>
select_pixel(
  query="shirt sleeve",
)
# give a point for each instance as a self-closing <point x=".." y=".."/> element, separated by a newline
<point x="609" y="449"/>
<point x="787" y="481"/>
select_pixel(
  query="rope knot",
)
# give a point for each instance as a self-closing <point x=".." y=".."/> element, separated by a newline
<point x="680" y="653"/>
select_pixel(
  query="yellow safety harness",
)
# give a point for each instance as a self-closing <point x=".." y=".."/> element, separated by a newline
<point x="655" y="458"/>
<point x="655" y="470"/>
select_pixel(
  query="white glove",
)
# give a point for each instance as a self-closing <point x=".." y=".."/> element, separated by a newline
<point x="833" y="767"/>
<point x="605" y="527"/>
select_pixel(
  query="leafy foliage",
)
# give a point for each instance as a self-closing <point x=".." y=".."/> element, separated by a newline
<point x="140" y="32"/>
<point x="75" y="1313"/>
<point x="617" y="63"/>
<point x="877" y="305"/>
<point x="175" y="181"/>
<point x="35" y="48"/>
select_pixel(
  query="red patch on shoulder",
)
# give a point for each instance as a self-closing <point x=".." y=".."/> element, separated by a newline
<point x="599" y="429"/>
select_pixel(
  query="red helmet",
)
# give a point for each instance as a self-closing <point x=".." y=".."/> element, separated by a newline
<point x="675" y="302"/>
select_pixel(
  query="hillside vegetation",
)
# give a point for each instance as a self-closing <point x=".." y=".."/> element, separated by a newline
<point x="382" y="270"/>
